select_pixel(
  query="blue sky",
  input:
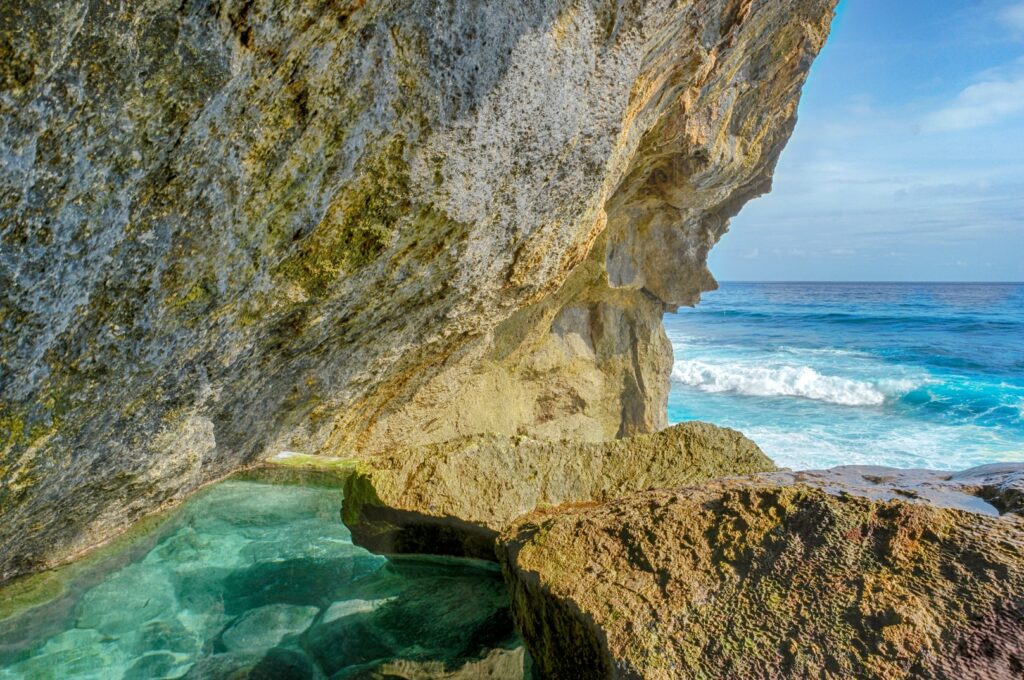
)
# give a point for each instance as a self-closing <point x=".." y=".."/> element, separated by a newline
<point x="908" y="159"/>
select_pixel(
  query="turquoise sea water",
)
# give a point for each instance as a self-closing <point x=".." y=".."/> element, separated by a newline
<point x="823" y="374"/>
<point x="251" y="580"/>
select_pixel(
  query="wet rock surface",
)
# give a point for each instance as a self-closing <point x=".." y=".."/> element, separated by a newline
<point x="500" y="664"/>
<point x="818" y="574"/>
<point x="987" y="489"/>
<point x="455" y="498"/>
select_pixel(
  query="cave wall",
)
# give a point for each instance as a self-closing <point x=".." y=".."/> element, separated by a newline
<point x="230" y="227"/>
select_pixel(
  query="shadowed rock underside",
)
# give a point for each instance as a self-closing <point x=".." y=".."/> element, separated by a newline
<point x="455" y="498"/>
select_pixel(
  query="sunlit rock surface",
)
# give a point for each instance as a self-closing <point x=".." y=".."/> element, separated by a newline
<point x="776" y="575"/>
<point x="232" y="227"/>
<point x="455" y="498"/>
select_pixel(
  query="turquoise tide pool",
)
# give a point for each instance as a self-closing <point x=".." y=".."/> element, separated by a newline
<point x="262" y="581"/>
<point x="824" y="374"/>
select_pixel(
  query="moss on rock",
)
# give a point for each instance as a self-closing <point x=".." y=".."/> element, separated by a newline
<point x="207" y="203"/>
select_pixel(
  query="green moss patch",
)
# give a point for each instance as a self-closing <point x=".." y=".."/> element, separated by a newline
<point x="358" y="224"/>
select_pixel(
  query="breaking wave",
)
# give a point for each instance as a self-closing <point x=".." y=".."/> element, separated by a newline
<point x="786" y="381"/>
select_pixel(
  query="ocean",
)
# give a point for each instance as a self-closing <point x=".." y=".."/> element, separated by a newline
<point x="824" y="374"/>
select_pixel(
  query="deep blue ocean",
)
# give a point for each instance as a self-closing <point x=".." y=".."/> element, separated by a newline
<point x="822" y="374"/>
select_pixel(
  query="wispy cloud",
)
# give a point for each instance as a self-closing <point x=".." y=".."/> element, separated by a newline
<point x="979" y="105"/>
<point x="1013" y="16"/>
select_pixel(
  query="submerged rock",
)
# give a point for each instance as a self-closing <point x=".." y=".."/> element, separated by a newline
<point x="73" y="653"/>
<point x="127" y="601"/>
<point x="267" y="626"/>
<point x="231" y="228"/>
<point x="158" y="665"/>
<point x="455" y="498"/>
<point x="763" y="578"/>
<point x="499" y="664"/>
<point x="444" y="612"/>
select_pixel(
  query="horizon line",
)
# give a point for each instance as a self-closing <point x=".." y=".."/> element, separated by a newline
<point x="990" y="282"/>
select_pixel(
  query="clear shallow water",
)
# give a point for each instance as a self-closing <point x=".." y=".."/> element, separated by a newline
<point x="263" y="581"/>
<point x="823" y="374"/>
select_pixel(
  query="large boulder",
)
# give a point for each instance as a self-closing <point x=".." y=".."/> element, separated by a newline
<point x="234" y="227"/>
<point x="772" y="576"/>
<point x="455" y="498"/>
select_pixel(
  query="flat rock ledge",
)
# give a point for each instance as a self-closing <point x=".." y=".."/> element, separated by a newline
<point x="853" y="572"/>
<point x="992" y="489"/>
<point x="456" y="498"/>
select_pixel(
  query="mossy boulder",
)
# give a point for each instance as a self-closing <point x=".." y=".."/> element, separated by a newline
<point x="768" y="577"/>
<point x="455" y="498"/>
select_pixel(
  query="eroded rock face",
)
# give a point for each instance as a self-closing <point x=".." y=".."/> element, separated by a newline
<point x="766" y="577"/>
<point x="231" y="227"/>
<point x="455" y="498"/>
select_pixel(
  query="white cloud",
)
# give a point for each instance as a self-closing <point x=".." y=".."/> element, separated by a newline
<point x="981" y="104"/>
<point x="1013" y="16"/>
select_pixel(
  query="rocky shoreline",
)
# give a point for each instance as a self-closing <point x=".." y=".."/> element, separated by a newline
<point x="430" y="246"/>
<point x="687" y="554"/>
<point x="236" y="227"/>
<point x="661" y="569"/>
<point x="457" y="498"/>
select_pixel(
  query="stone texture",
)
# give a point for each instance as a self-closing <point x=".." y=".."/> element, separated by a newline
<point x="455" y="498"/>
<point x="232" y="227"/>
<point x="991" y="489"/>
<point x="433" y="610"/>
<point x="267" y="626"/>
<point x="768" y="577"/>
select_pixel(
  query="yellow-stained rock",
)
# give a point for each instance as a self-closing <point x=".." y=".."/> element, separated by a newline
<point x="769" y="577"/>
<point x="235" y="227"/>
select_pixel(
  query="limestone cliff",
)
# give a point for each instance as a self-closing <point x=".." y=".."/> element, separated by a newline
<point x="229" y="227"/>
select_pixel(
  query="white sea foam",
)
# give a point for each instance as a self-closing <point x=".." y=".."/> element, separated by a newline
<point x="786" y="381"/>
<point x="908" y="445"/>
<point x="822" y="351"/>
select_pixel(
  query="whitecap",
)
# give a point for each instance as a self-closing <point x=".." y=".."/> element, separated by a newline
<point x="786" y="381"/>
<point x="823" y="351"/>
